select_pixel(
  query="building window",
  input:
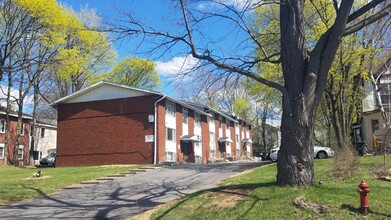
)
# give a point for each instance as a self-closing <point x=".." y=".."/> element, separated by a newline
<point x="2" y="125"/>
<point x="375" y="125"/>
<point x="20" y="152"/>
<point x="1" y="151"/>
<point x="197" y="119"/>
<point x="212" y="118"/>
<point x="220" y="121"/>
<point x="237" y="138"/>
<point x="22" y="129"/>
<point x="170" y="134"/>
<point x="185" y="115"/>
<point x="170" y="109"/>
<point x="42" y="132"/>
<point x="227" y="124"/>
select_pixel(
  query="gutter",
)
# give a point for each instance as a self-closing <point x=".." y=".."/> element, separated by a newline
<point x="155" y="132"/>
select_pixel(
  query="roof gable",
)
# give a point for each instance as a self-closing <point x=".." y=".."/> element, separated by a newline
<point x="103" y="91"/>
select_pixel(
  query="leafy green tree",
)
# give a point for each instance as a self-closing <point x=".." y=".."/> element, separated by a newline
<point x="305" y="62"/>
<point x="135" y="72"/>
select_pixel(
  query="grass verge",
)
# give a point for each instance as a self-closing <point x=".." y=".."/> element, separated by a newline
<point x="254" y="195"/>
<point x="17" y="183"/>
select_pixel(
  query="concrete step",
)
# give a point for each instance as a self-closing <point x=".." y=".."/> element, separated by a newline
<point x="76" y="186"/>
<point x="92" y="182"/>
<point x="138" y="170"/>
<point x="129" y="172"/>
<point x="116" y="175"/>
<point x="106" y="178"/>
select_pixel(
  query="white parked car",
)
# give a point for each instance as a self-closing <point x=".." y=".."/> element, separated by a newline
<point x="319" y="152"/>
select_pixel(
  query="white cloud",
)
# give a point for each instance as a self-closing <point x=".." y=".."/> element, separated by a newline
<point x="28" y="100"/>
<point x="239" y="4"/>
<point x="177" y="65"/>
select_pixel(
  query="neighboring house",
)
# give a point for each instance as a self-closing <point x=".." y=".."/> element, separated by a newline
<point x="108" y="123"/>
<point x="373" y="128"/>
<point x="45" y="141"/>
<point x="22" y="154"/>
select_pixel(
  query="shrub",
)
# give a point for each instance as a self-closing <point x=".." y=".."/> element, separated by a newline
<point x="345" y="164"/>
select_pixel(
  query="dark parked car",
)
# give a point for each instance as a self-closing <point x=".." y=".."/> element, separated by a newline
<point x="50" y="160"/>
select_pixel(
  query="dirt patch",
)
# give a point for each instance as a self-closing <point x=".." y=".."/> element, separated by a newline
<point x="382" y="172"/>
<point x="227" y="198"/>
<point x="317" y="208"/>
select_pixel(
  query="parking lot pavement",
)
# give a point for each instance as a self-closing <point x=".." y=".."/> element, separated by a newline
<point x="126" y="196"/>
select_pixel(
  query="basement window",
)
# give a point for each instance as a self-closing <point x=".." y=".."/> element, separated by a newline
<point x="1" y="151"/>
<point x="20" y="152"/>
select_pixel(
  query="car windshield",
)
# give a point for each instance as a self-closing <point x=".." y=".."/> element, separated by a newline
<point x="52" y="155"/>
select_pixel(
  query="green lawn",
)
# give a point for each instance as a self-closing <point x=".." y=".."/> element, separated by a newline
<point x="17" y="183"/>
<point x="254" y="195"/>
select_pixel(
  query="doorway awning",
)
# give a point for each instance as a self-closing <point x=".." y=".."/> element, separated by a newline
<point x="225" y="139"/>
<point x="247" y="140"/>
<point x="193" y="137"/>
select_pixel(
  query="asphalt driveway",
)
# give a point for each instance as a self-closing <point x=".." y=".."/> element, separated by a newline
<point x="126" y="196"/>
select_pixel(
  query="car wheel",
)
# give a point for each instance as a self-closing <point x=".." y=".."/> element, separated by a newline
<point x="321" y="155"/>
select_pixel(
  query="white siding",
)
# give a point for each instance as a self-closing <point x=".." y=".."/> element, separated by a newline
<point x="369" y="100"/>
<point x="212" y="125"/>
<point x="228" y="149"/>
<point x="170" y="123"/>
<point x="185" y="121"/>
<point x="106" y="92"/>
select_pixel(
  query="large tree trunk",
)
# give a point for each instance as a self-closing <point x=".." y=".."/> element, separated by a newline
<point x="295" y="157"/>
<point x="305" y="76"/>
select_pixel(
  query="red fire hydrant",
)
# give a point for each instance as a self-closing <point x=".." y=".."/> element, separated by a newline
<point x="363" y="189"/>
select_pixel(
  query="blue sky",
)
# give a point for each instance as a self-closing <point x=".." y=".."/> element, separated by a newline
<point x="162" y="14"/>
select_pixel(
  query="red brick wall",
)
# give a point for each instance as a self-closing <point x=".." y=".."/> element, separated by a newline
<point x="161" y="132"/>
<point x="217" y="135"/>
<point x="251" y="145"/>
<point x="233" y="137"/>
<point x="105" y="132"/>
<point x="23" y="139"/>
<point x="178" y="117"/>
<point x="205" y="139"/>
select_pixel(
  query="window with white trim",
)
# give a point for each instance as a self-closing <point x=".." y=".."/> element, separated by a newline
<point x="20" y="152"/>
<point x="197" y="119"/>
<point x="2" y="151"/>
<point x="227" y="124"/>
<point x="2" y="125"/>
<point x="170" y="134"/>
<point x="220" y="121"/>
<point x="22" y="129"/>
<point x="170" y="109"/>
<point x="185" y="115"/>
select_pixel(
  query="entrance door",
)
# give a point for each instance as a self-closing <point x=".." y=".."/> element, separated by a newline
<point x="188" y="152"/>
<point x="222" y="150"/>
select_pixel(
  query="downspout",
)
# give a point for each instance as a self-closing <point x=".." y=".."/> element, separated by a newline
<point x="155" y="132"/>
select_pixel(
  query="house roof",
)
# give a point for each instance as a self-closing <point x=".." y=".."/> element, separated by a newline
<point x="97" y="85"/>
<point x="209" y="109"/>
<point x="232" y="117"/>
<point x="13" y="113"/>
<point x="103" y="83"/>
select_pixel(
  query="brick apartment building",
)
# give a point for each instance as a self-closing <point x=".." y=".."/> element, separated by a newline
<point x="108" y="123"/>
<point x="23" y="148"/>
